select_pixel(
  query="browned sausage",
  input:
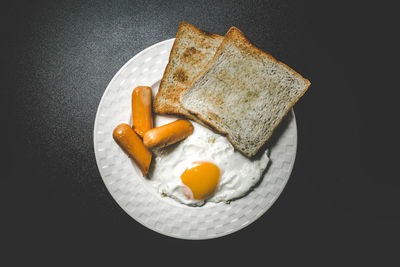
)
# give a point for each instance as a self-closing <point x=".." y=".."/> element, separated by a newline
<point x="133" y="146"/>
<point x="167" y="134"/>
<point x="142" y="118"/>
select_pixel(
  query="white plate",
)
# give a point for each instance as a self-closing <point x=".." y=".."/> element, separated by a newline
<point x="161" y="214"/>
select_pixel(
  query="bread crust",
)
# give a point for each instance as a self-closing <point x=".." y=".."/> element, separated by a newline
<point x="160" y="104"/>
<point x="237" y="34"/>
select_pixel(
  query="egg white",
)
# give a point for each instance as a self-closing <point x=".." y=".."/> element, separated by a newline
<point x="238" y="173"/>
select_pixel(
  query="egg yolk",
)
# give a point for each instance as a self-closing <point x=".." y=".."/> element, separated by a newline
<point x="202" y="179"/>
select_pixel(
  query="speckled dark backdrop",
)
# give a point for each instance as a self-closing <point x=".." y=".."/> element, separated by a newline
<point x="341" y="204"/>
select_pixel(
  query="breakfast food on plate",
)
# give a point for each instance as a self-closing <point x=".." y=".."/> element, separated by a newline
<point x="204" y="167"/>
<point x="127" y="139"/>
<point x="192" y="50"/>
<point x="142" y="118"/>
<point x="167" y="134"/>
<point x="226" y="83"/>
<point x="244" y="93"/>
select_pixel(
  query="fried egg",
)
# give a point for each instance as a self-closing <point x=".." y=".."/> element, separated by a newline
<point x="204" y="167"/>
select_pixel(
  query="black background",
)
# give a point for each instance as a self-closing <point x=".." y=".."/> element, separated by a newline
<point x="341" y="205"/>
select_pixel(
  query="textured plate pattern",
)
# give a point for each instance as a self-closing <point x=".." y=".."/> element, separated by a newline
<point x="126" y="185"/>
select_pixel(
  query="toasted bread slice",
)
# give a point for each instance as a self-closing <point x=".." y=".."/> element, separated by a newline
<point x="244" y="93"/>
<point x="192" y="50"/>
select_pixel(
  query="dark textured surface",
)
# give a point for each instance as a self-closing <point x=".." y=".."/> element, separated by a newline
<point x="341" y="204"/>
